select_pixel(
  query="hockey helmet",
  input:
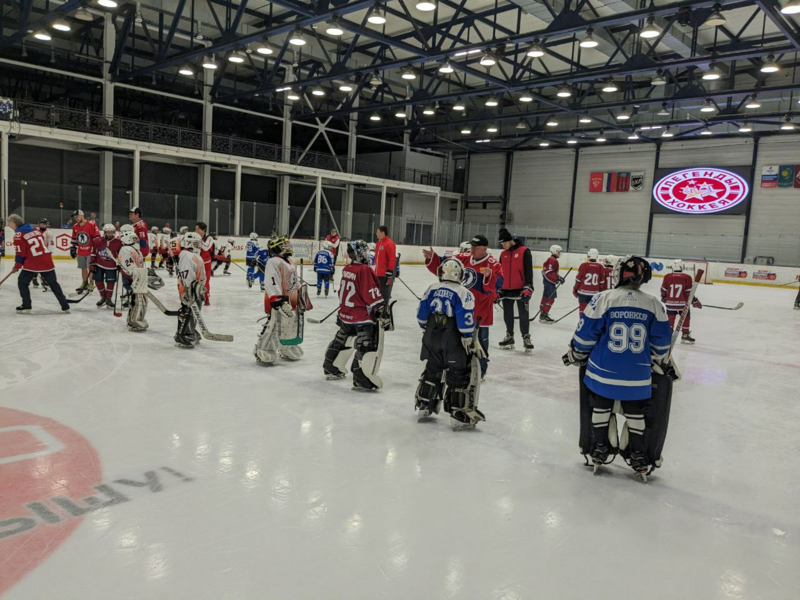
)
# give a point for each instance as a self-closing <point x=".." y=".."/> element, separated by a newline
<point x="183" y="230"/>
<point x="192" y="241"/>
<point x="451" y="269"/>
<point x="371" y="246"/>
<point x="109" y="228"/>
<point x="44" y="223"/>
<point x="358" y="251"/>
<point x="280" y="246"/>
<point x="677" y="266"/>
<point x="610" y="261"/>
<point x="231" y="241"/>
<point x="154" y="229"/>
<point x="464" y="248"/>
<point x="166" y="230"/>
<point x="327" y="245"/>
<point x="254" y="236"/>
<point x="126" y="227"/>
<point x="593" y="254"/>
<point x="631" y="270"/>
<point x="128" y="238"/>
<point x="556" y="250"/>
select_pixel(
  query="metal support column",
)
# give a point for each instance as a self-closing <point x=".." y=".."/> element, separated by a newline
<point x="204" y="171"/>
<point x="347" y="204"/>
<point x="383" y="206"/>
<point x="284" y="182"/>
<point x="237" y="200"/>
<point x="137" y="171"/>
<point x="318" y="208"/>
<point x="4" y="204"/>
<point x="107" y="158"/>
<point x="435" y="236"/>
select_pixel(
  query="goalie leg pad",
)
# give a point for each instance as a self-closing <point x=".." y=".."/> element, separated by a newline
<point x="266" y="348"/>
<point x="186" y="335"/>
<point x="429" y="391"/>
<point x="598" y="425"/>
<point x="369" y="351"/>
<point x="139" y="281"/>
<point x="290" y="352"/>
<point x="339" y="351"/>
<point x="656" y="422"/>
<point x="136" y="313"/>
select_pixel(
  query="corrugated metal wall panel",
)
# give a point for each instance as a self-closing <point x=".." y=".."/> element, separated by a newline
<point x="541" y="186"/>
<point x="486" y="173"/>
<point x="706" y="153"/>
<point x="614" y="211"/>
<point x="700" y="237"/>
<point x="775" y="216"/>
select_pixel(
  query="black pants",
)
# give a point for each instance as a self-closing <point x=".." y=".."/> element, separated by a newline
<point x="442" y="349"/>
<point x="386" y="288"/>
<point x="522" y="308"/>
<point x="366" y="340"/>
<point x="797" y="300"/>
<point x="48" y="277"/>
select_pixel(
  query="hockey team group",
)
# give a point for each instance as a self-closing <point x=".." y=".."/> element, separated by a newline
<point x="622" y="344"/>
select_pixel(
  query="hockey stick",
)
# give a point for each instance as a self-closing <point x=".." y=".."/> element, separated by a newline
<point x="566" y="315"/>
<point x="318" y="321"/>
<point x="409" y="289"/>
<point x="558" y="285"/>
<point x="737" y="307"/>
<point x="788" y="283"/>
<point x="161" y="307"/>
<point x="240" y="266"/>
<point x="6" y="277"/>
<point x="79" y="299"/>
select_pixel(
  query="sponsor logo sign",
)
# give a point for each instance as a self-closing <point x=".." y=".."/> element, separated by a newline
<point x="63" y="241"/>
<point x="700" y="191"/>
<point x="765" y="275"/>
<point x="736" y="273"/>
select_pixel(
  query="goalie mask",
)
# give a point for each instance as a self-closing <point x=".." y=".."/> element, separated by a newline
<point x="128" y="238"/>
<point x="631" y="270"/>
<point x="358" y="251"/>
<point x="279" y="246"/>
<point x="192" y="241"/>
<point x="451" y="270"/>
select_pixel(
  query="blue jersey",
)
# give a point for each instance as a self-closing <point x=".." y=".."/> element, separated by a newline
<point x="261" y="257"/>
<point x="451" y="299"/>
<point x="251" y="249"/>
<point x="622" y="330"/>
<point x="324" y="262"/>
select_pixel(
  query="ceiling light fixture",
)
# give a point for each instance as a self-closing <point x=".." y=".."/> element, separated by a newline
<point x="492" y="128"/>
<point x="264" y="50"/>
<point x="186" y="70"/>
<point x="429" y="111"/>
<point x="651" y="30"/>
<point x="753" y="103"/>
<point x="459" y="105"/>
<point x="297" y="38"/>
<point x="544" y="144"/>
<point x="292" y="95"/>
<point x="584" y="118"/>
<point x="787" y="124"/>
<point x="42" y="36"/>
<point x="400" y="113"/>
<point x="426" y="5"/>
<point x="791" y="8"/>
<point x="317" y="91"/>
<point x="745" y="127"/>
<point x="83" y="15"/>
<point x="107" y="3"/>
<point x="716" y="18"/>
<point x="588" y="41"/>
<point x="345" y="87"/>
<point x="551" y="121"/>
<point x="378" y="15"/>
<point x="564" y="91"/>
<point x="624" y="114"/>
<point x="713" y="73"/>
<point x="209" y="63"/>
<point x="334" y="27"/>
<point x="491" y="101"/>
<point x="610" y="87"/>
<point x="521" y="125"/>
<point x="633" y="136"/>
<point x="708" y="106"/>
<point x="667" y="133"/>
<point x="770" y="66"/>
<point x="707" y="131"/>
<point x="527" y="97"/>
<point x="659" y="79"/>
<point x="488" y="60"/>
<point x="60" y="25"/>
<point x="375" y="80"/>
<point x="537" y="51"/>
<point x="602" y="137"/>
<point x="408" y="74"/>
<point x="375" y="117"/>
<point x="572" y="139"/>
<point x="236" y="57"/>
<point x="446" y="67"/>
<point x="664" y="112"/>
<point x="466" y="131"/>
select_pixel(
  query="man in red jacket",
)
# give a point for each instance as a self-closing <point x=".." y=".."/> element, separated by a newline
<point x="83" y="232"/>
<point x="33" y="258"/>
<point x="385" y="261"/>
<point x="333" y="238"/>
<point x="206" y="251"/>
<point x="517" y="263"/>
<point x="140" y="229"/>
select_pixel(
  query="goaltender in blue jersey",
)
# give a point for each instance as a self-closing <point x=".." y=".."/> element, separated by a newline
<point x="621" y="344"/>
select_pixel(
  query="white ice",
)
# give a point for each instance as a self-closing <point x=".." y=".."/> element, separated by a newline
<point x="305" y="489"/>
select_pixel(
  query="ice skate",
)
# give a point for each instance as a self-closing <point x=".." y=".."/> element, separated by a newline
<point x="319" y="292"/>
<point x="797" y="306"/>
<point x="458" y="425"/>
<point x="82" y="288"/>
<point x="686" y="338"/>
<point x="22" y="310"/>
<point x="545" y="318"/>
<point x="508" y="342"/>
<point x="109" y="303"/>
<point x="335" y="376"/>
<point x="638" y="462"/>
<point x="249" y="282"/>
<point x="263" y="288"/>
<point x="101" y="303"/>
<point x="35" y="282"/>
<point x="527" y="343"/>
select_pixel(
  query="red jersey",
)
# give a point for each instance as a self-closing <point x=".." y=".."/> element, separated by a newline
<point x="207" y="249"/>
<point x="550" y="269"/>
<point x="675" y="290"/>
<point x="482" y="277"/>
<point x="385" y="257"/>
<point x="105" y="251"/>
<point x="82" y="236"/>
<point x="609" y="278"/>
<point x="333" y="239"/>
<point x="359" y="294"/>
<point x="140" y="229"/>
<point x="591" y="279"/>
<point x="32" y="250"/>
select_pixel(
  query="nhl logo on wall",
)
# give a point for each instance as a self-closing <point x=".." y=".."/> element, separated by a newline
<point x="700" y="191"/>
<point x="637" y="182"/>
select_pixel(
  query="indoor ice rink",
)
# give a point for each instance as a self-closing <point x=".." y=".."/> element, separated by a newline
<point x="655" y="140"/>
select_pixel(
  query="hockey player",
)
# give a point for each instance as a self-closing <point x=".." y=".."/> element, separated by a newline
<point x="609" y="262"/>
<point x="206" y="252"/>
<point x="262" y="256"/>
<point x="191" y="288"/>
<point x="362" y="319"/>
<point x="103" y="263"/>
<point x="250" y="257"/>
<point x="154" y="240"/>
<point x="590" y="280"/>
<point x="140" y="229"/>
<point x="132" y="268"/>
<point x="284" y="303"/>
<point x="551" y="279"/>
<point x="33" y="258"/>
<point x="675" y="291"/>
<point x="222" y="256"/>
<point x="163" y="249"/>
<point x="333" y="238"/>
<point x="464" y="248"/>
<point x="447" y="314"/>
<point x="83" y="232"/>
<point x="517" y="287"/>
<point x="325" y="266"/>
<point x="483" y="276"/>
<point x="44" y="227"/>
<point x="621" y="333"/>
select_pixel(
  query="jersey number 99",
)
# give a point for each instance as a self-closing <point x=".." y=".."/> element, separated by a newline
<point x="624" y="338"/>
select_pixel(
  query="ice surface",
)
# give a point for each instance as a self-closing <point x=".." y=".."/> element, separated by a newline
<point x="302" y="488"/>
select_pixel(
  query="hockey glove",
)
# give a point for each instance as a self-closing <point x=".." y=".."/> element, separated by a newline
<point x="696" y="303"/>
<point x="284" y="307"/>
<point x="92" y="268"/>
<point x="575" y="357"/>
<point x="527" y="292"/>
<point x="560" y="279"/>
<point x="17" y="266"/>
<point x="472" y="348"/>
<point x="73" y="252"/>
<point x="668" y="368"/>
<point x="389" y="277"/>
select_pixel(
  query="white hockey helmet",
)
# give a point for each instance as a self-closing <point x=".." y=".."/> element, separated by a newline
<point x="371" y="246"/>
<point x="610" y="260"/>
<point x="327" y="245"/>
<point x="555" y="250"/>
<point x="677" y="266"/>
<point x="232" y="241"/>
<point x="128" y="238"/>
<point x="592" y="254"/>
<point x="192" y="241"/>
<point x="154" y="229"/>
<point x="166" y="230"/>
<point x="183" y="230"/>
<point x="464" y="248"/>
<point x="126" y="227"/>
<point x="254" y="236"/>
<point x="109" y="228"/>
<point x="451" y="269"/>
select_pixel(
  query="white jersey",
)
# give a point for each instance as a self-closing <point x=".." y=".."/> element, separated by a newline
<point x="281" y="280"/>
<point x="190" y="267"/>
<point x="163" y="242"/>
<point x="223" y="249"/>
<point x="48" y="239"/>
<point x="152" y="240"/>
<point x="130" y="258"/>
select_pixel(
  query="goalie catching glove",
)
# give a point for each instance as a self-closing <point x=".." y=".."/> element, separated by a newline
<point x="283" y="306"/>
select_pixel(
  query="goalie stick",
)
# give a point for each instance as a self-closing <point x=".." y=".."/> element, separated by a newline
<point x="161" y="307"/>
<point x="195" y="308"/>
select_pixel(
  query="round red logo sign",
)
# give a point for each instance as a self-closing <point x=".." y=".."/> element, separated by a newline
<point x="700" y="191"/>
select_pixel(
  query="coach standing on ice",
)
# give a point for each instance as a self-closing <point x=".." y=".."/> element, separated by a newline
<point x="33" y="258"/>
<point x="385" y="261"/>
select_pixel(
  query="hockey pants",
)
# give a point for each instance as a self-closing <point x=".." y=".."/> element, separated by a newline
<point x="351" y="338"/>
<point x="675" y="315"/>
<point x="326" y="279"/>
<point x="549" y="295"/>
<point x="104" y="280"/>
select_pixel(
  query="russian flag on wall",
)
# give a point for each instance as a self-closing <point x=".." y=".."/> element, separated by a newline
<point x="610" y="182"/>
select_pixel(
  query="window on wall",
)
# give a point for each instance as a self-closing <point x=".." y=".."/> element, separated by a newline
<point x="418" y="234"/>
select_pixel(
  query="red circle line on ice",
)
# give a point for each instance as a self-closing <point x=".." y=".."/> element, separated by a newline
<point x="701" y="190"/>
